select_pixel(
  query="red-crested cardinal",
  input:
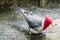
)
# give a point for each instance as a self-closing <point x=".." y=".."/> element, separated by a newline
<point x="34" y="21"/>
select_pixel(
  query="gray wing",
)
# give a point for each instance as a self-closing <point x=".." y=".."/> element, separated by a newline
<point x="34" y="20"/>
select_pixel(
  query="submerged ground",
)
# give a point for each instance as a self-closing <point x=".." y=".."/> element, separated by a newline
<point x="9" y="32"/>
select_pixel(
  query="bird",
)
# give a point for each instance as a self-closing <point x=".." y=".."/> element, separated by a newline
<point x="36" y="22"/>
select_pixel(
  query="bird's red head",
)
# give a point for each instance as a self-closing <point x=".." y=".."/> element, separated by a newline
<point x="46" y="23"/>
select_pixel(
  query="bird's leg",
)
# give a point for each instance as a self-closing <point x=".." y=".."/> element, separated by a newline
<point x="29" y="31"/>
<point x="38" y="29"/>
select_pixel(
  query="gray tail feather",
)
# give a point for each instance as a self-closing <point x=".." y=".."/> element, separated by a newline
<point x="16" y="8"/>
